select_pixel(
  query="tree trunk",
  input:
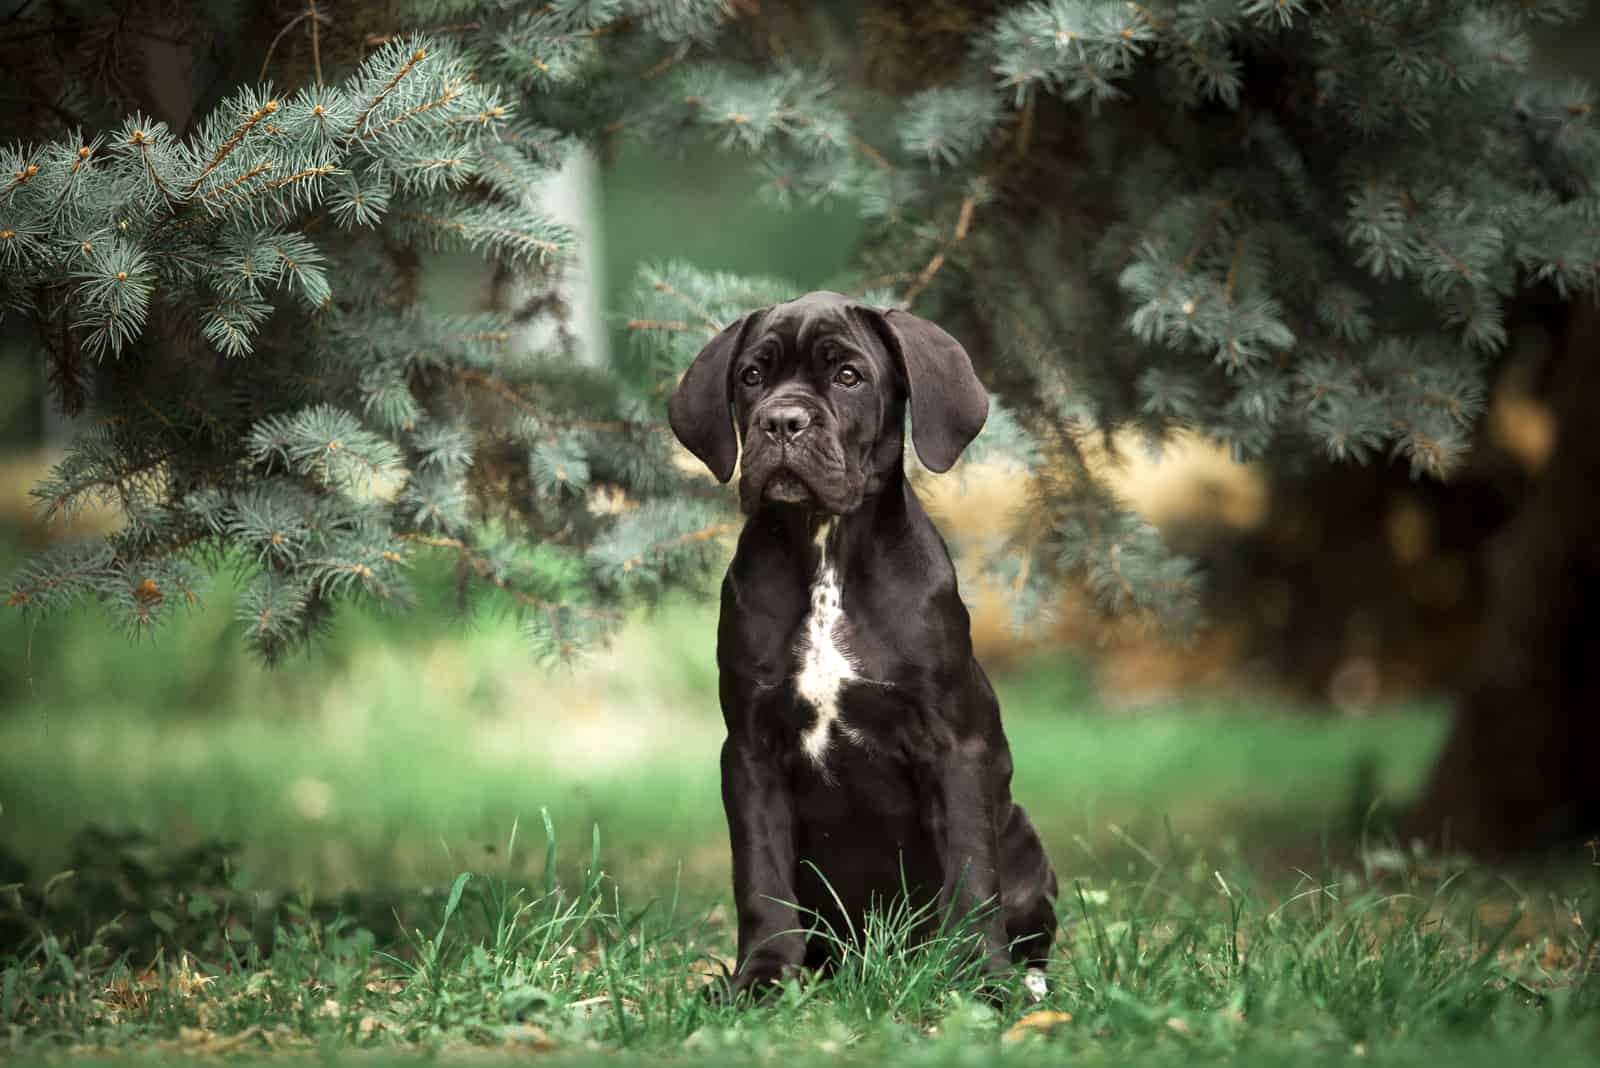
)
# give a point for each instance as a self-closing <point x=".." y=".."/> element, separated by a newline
<point x="1521" y="768"/>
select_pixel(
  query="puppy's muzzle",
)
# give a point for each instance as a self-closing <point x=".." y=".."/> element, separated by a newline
<point x="792" y="457"/>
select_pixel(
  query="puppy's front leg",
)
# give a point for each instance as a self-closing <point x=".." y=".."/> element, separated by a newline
<point x="756" y="797"/>
<point x="957" y="789"/>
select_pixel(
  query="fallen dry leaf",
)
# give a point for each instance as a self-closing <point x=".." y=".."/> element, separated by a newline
<point x="127" y="993"/>
<point x="196" y="1040"/>
<point x="1036" y="1023"/>
<point x="531" y="1035"/>
<point x="703" y="969"/>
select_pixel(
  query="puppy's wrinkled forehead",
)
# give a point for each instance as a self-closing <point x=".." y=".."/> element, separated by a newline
<point x="800" y="324"/>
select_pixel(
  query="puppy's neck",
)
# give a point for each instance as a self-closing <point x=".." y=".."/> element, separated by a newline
<point x="822" y="528"/>
<point x="839" y="542"/>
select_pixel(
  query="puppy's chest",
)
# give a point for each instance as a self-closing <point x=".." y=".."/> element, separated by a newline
<point x="831" y="658"/>
<point x="824" y="662"/>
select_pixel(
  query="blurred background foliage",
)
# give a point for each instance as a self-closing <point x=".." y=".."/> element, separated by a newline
<point x="404" y="748"/>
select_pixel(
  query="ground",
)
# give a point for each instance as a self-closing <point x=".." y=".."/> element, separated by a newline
<point x="417" y="843"/>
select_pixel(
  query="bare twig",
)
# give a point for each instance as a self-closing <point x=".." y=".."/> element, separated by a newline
<point x="315" y="17"/>
<point x="891" y="279"/>
<point x="1233" y="272"/>
<point x="963" y="225"/>
<point x="316" y="42"/>
<point x="867" y="150"/>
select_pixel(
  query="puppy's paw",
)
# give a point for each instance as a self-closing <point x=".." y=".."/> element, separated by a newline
<point x="1035" y="983"/>
<point x="1005" y="988"/>
<point x="997" y="982"/>
<point x="751" y="986"/>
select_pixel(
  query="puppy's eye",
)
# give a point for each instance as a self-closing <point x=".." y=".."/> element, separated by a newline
<point x="847" y="376"/>
<point x="751" y="376"/>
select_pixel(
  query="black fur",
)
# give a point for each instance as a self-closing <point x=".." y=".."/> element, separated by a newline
<point x="913" y="789"/>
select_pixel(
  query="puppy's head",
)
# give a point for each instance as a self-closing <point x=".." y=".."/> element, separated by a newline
<point x="816" y="390"/>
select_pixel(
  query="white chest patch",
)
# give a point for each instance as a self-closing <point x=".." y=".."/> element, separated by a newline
<point x="825" y="660"/>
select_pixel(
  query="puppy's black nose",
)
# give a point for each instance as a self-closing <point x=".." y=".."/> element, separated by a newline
<point x="785" y="421"/>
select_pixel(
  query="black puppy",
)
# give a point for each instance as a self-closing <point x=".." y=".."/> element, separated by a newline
<point x="864" y="756"/>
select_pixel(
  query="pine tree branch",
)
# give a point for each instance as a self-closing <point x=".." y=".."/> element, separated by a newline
<point x="115" y="482"/>
<point x="508" y="393"/>
<point x="67" y="187"/>
<point x="21" y="597"/>
<point x="248" y="176"/>
<point x="515" y="237"/>
<point x="614" y="27"/>
<point x="416" y="57"/>
<point x="143" y="144"/>
<point x="690" y="303"/>
<point x="144" y="402"/>
<point x="706" y="533"/>
<point x="277" y="183"/>
<point x="1204" y="234"/>
<point x="269" y="108"/>
<point x="1414" y="211"/>
<point x="661" y="66"/>
<point x="23" y="176"/>
<point x="451" y="92"/>
<point x="485" y="571"/>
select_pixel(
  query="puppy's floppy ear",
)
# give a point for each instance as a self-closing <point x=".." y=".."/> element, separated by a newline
<point x="948" y="403"/>
<point x="700" y="409"/>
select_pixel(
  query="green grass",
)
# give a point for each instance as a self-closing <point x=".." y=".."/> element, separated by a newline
<point x="1219" y="902"/>
<point x="1169" y="954"/>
